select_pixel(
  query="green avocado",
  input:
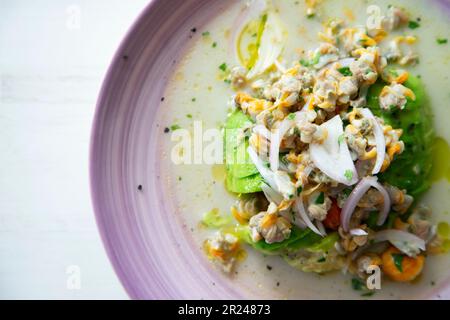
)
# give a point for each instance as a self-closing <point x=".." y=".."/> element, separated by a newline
<point x="299" y="239"/>
<point x="410" y="170"/>
<point x="242" y="174"/>
<point x="245" y="185"/>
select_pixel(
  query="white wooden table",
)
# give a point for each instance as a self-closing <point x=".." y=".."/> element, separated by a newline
<point x="53" y="57"/>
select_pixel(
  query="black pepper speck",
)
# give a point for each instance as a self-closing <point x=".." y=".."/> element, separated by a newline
<point x="139" y="187"/>
<point x="269" y="267"/>
<point x="166" y="130"/>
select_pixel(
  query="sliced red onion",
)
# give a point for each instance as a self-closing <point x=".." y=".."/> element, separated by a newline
<point x="251" y="11"/>
<point x="276" y="138"/>
<point x="386" y="202"/>
<point x="265" y="172"/>
<point x="304" y="216"/>
<point x="306" y="105"/>
<point x="321" y="227"/>
<point x="271" y="194"/>
<point x="358" y="192"/>
<point x="279" y="181"/>
<point x="379" y="139"/>
<point x="332" y="157"/>
<point x="406" y="242"/>
<point x="294" y="218"/>
<point x="272" y="44"/>
<point x="358" y="232"/>
<point x="280" y="67"/>
<point x="262" y="130"/>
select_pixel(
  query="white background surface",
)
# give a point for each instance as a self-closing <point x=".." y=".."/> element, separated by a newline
<point x="52" y="64"/>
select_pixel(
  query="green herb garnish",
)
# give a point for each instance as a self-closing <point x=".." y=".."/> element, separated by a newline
<point x="398" y="259"/>
<point x="299" y="190"/>
<point x="348" y="175"/>
<point x="357" y="284"/>
<point x="323" y="259"/>
<point x="441" y="40"/>
<point x="413" y="24"/>
<point x="320" y="199"/>
<point x="291" y="116"/>
<point x="393" y="72"/>
<point x="223" y="67"/>
<point x="189" y="116"/>
<point x="174" y="127"/>
<point x="341" y="138"/>
<point x="345" y="71"/>
<point x="314" y="61"/>
<point x="206" y="33"/>
<point x="214" y="44"/>
<point x="368" y="294"/>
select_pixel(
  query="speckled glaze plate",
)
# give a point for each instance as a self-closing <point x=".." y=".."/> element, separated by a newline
<point x="149" y="250"/>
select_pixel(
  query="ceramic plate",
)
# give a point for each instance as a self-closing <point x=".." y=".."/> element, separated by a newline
<point x="149" y="248"/>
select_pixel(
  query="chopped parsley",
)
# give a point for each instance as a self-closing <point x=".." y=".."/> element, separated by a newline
<point x="223" y="67"/>
<point x="314" y="61"/>
<point x="321" y="198"/>
<point x="398" y="259"/>
<point x="214" y="44"/>
<point x="341" y="138"/>
<point x="194" y="99"/>
<point x="299" y="190"/>
<point x="323" y="259"/>
<point x="393" y="72"/>
<point x="174" y="127"/>
<point x="189" y="116"/>
<point x="348" y="175"/>
<point x="357" y="284"/>
<point x="227" y="81"/>
<point x="347" y="191"/>
<point x="441" y="40"/>
<point x="206" y="34"/>
<point x="291" y="116"/>
<point x="345" y="71"/>
<point x="413" y="24"/>
<point x="310" y="16"/>
<point x="368" y="294"/>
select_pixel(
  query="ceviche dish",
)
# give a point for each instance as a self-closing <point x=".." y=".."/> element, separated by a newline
<point x="335" y="171"/>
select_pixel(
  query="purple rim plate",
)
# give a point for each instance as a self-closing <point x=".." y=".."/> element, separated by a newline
<point x="142" y="240"/>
